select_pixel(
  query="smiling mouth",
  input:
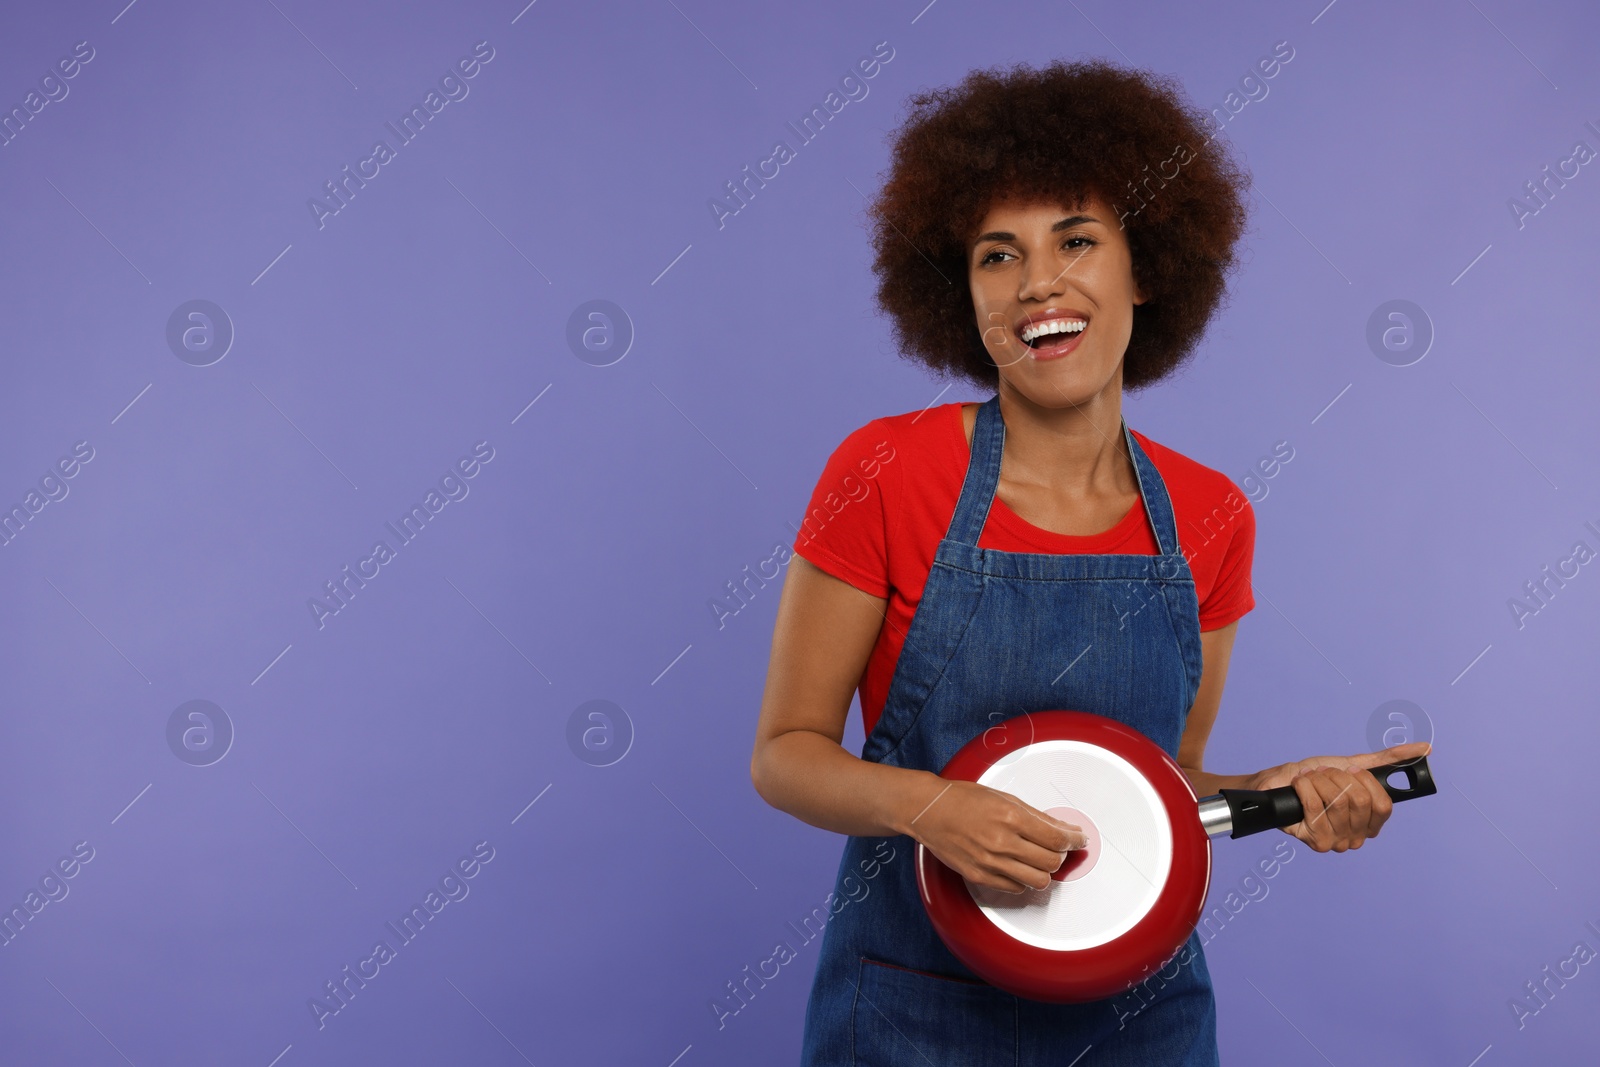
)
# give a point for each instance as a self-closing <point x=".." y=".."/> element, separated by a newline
<point x="1054" y="337"/>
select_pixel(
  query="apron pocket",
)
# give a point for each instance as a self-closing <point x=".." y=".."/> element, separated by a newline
<point x="905" y="1018"/>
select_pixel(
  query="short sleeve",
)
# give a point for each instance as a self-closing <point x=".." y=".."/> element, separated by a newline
<point x="1231" y="596"/>
<point x="846" y="527"/>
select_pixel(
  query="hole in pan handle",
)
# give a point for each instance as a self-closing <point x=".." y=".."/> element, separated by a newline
<point x="1255" y="810"/>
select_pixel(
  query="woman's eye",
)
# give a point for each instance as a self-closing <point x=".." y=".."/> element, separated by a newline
<point x="1076" y="242"/>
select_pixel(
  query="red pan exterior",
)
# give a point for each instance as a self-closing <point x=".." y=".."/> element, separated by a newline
<point x="1087" y="974"/>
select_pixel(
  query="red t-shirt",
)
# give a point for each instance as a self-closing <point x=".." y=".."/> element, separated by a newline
<point x="883" y="542"/>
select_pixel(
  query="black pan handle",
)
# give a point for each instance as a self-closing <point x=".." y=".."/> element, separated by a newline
<point x="1255" y="810"/>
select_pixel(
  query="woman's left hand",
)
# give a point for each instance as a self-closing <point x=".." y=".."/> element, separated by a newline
<point x="1344" y="803"/>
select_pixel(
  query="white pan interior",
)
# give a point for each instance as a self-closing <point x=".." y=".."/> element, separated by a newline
<point x="1135" y="851"/>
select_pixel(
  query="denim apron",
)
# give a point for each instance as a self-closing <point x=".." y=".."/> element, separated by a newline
<point x="995" y="635"/>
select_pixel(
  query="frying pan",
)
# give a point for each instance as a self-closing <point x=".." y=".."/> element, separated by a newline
<point x="1123" y="906"/>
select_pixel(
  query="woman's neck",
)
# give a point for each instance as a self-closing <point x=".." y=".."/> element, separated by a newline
<point x="1077" y="450"/>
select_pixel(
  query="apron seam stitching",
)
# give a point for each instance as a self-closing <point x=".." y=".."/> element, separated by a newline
<point x="855" y="1003"/>
<point x="944" y="667"/>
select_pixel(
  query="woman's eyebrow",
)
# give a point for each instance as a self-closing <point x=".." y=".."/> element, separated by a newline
<point x="1002" y="235"/>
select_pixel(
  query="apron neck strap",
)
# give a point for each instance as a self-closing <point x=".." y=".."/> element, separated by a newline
<point x="983" y="476"/>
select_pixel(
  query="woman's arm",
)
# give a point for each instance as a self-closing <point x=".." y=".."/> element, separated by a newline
<point x="1216" y="647"/>
<point x="824" y="633"/>
<point x="1344" y="805"/>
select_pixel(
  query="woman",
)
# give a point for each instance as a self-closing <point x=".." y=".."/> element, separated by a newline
<point x="1055" y="235"/>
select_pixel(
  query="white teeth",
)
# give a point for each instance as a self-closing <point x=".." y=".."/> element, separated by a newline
<point x="1041" y="329"/>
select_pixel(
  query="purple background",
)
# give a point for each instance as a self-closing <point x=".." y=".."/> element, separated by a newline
<point x="372" y="753"/>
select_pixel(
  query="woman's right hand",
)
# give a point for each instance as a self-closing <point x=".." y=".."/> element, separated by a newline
<point x="993" y="839"/>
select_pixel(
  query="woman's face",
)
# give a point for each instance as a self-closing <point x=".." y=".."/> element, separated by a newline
<point x="1036" y="265"/>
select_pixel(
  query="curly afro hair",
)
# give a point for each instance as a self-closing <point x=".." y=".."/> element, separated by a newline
<point x="1061" y="133"/>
